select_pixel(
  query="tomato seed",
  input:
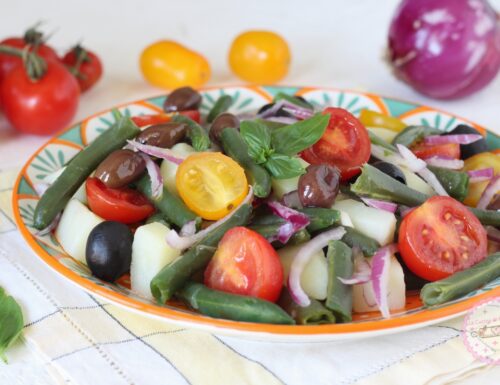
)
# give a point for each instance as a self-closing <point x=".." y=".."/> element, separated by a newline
<point x="447" y="216"/>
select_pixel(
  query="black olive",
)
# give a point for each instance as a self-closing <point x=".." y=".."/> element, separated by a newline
<point x="280" y="111"/>
<point x="467" y="150"/>
<point x="109" y="250"/>
<point x="391" y="170"/>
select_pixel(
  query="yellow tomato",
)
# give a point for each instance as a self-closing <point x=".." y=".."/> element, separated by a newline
<point x="477" y="162"/>
<point x="260" y="57"/>
<point x="167" y="64"/>
<point x="211" y="184"/>
<point x="376" y="119"/>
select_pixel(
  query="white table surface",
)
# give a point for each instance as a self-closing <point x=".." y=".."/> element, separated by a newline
<point x="337" y="43"/>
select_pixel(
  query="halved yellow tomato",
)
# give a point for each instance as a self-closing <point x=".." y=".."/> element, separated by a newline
<point x="477" y="162"/>
<point x="211" y="184"/>
<point x="371" y="118"/>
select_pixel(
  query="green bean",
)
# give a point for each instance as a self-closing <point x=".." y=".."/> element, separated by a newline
<point x="413" y="134"/>
<point x="79" y="168"/>
<point x="456" y="183"/>
<point x="173" y="276"/>
<point x="377" y="140"/>
<point x="352" y="237"/>
<point x="270" y="231"/>
<point x="221" y="105"/>
<point x="487" y="217"/>
<point x="169" y="205"/>
<point x="339" y="295"/>
<point x="158" y="217"/>
<point x="195" y="133"/>
<point x="321" y="218"/>
<point x="292" y="99"/>
<point x="236" y="148"/>
<point x="299" y="237"/>
<point x="314" y="314"/>
<point x="461" y="283"/>
<point x="219" y="304"/>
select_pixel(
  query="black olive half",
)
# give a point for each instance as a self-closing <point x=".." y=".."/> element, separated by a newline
<point x="467" y="150"/>
<point x="391" y="170"/>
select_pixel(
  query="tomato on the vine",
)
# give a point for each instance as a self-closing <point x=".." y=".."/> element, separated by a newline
<point x="345" y="144"/>
<point x="40" y="106"/>
<point x="85" y="65"/>
<point x="123" y="205"/>
<point x="245" y="263"/>
<point x="441" y="237"/>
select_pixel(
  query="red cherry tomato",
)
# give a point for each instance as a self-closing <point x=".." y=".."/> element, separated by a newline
<point x="40" y="107"/>
<point x="245" y="263"/>
<point x="9" y="62"/>
<point x="85" y="65"/>
<point x="448" y="151"/>
<point x="345" y="144"/>
<point x="122" y="205"/>
<point x="147" y="120"/>
<point x="441" y="237"/>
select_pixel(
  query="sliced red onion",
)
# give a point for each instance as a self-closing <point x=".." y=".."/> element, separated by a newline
<point x="158" y="152"/>
<point x="420" y="167"/>
<point x="155" y="177"/>
<point x="481" y="175"/>
<point x="452" y="164"/>
<point x="282" y="119"/>
<point x="295" y="220"/>
<point x="298" y="112"/>
<point x="489" y="192"/>
<point x="285" y="232"/>
<point x="303" y="257"/>
<point x="493" y="234"/>
<point x="180" y="242"/>
<point x="380" y="264"/>
<point x="459" y="139"/>
<point x="189" y="229"/>
<point x="50" y="227"/>
<point x="381" y="205"/>
<point x="40" y="188"/>
<point x="362" y="269"/>
<point x="292" y="200"/>
<point x="272" y="110"/>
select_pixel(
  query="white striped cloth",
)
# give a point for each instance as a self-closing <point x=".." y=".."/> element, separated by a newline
<point x="85" y="341"/>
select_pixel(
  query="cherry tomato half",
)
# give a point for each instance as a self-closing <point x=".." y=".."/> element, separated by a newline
<point x="9" y="62"/>
<point x="426" y="151"/>
<point x="245" y="263"/>
<point x="86" y="65"/>
<point x="441" y="237"/>
<point x="40" y="107"/>
<point x="345" y="144"/>
<point x="147" y="120"/>
<point x="122" y="205"/>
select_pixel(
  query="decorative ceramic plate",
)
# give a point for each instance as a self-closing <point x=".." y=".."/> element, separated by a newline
<point x="61" y="148"/>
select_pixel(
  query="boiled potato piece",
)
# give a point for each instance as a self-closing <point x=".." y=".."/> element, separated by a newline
<point x="374" y="223"/>
<point x="364" y="297"/>
<point x="169" y="169"/>
<point x="416" y="183"/>
<point x="314" y="278"/>
<point x="284" y="186"/>
<point x="150" y="253"/>
<point x="76" y="223"/>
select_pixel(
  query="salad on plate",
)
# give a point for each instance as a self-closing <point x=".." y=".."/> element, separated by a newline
<point x="291" y="215"/>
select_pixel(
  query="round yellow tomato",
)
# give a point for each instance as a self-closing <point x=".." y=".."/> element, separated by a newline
<point x="260" y="57"/>
<point x="211" y="184"/>
<point x="477" y="162"/>
<point x="170" y="65"/>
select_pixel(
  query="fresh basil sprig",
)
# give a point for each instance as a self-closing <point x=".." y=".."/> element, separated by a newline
<point x="276" y="149"/>
<point x="11" y="322"/>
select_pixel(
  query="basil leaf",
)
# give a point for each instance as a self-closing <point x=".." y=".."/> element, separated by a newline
<point x="196" y="133"/>
<point x="292" y="99"/>
<point x="258" y="139"/>
<point x="283" y="167"/>
<point x="292" y="139"/>
<point x="413" y="134"/>
<point x="11" y="322"/>
<point x="221" y="105"/>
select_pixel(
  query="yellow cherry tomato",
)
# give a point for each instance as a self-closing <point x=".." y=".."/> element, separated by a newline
<point x="211" y="184"/>
<point x="169" y="65"/>
<point x="260" y="57"/>
<point x="477" y="162"/>
<point x="371" y="118"/>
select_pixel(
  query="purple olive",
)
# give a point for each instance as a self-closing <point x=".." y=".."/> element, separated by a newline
<point x="319" y="186"/>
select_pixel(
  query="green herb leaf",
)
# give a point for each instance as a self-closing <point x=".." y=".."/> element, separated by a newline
<point x="283" y="166"/>
<point x="197" y="134"/>
<point x="258" y="139"/>
<point x="292" y="99"/>
<point x="221" y="105"/>
<point x="292" y="139"/>
<point x="11" y="322"/>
